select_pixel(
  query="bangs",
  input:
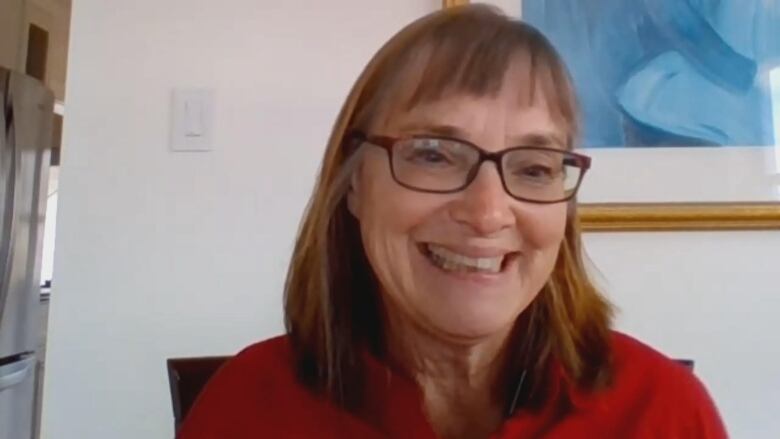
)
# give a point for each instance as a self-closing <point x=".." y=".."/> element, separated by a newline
<point x="473" y="54"/>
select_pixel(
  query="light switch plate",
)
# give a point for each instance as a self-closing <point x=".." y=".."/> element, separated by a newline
<point x="192" y="122"/>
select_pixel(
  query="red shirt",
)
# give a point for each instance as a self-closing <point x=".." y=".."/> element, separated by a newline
<point x="256" y="395"/>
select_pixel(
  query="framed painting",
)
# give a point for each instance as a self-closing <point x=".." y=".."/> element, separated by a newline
<point x="680" y="103"/>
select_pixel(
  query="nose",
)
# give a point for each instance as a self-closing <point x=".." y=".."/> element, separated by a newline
<point x="483" y="205"/>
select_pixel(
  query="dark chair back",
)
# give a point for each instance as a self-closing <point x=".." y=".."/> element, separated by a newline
<point x="187" y="377"/>
<point x="685" y="362"/>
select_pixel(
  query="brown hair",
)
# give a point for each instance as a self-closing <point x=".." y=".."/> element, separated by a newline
<point x="332" y="308"/>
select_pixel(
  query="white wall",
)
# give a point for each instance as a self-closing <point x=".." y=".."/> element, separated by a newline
<point x="161" y="254"/>
<point x="510" y="7"/>
<point x="709" y="296"/>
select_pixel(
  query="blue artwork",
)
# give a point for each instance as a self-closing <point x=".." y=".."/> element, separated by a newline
<point x="669" y="72"/>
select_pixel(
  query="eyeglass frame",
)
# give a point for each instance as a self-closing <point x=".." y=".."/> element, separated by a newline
<point x="583" y="162"/>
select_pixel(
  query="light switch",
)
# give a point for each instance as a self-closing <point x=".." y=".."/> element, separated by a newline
<point x="193" y="120"/>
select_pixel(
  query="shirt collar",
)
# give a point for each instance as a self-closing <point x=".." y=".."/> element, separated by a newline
<point x="394" y="402"/>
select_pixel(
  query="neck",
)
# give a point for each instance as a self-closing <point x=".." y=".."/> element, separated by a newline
<point x="457" y="377"/>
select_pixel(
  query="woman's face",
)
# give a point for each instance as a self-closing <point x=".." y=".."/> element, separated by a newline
<point x="461" y="266"/>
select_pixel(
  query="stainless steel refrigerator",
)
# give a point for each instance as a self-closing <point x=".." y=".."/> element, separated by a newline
<point x="26" y="117"/>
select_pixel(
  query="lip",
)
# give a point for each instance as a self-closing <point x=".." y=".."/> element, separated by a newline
<point x="471" y="251"/>
<point x="474" y="252"/>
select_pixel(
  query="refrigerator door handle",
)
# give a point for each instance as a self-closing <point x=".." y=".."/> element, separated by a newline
<point x="14" y="373"/>
<point x="5" y="269"/>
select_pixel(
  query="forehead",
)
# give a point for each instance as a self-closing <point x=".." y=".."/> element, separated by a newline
<point x="522" y="97"/>
<point x="501" y="118"/>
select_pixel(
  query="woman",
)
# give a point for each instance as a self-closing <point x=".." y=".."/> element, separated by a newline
<point x="437" y="287"/>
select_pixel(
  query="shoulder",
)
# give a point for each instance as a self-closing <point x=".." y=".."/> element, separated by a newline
<point x="631" y="355"/>
<point x="257" y="378"/>
<point x="272" y="355"/>
<point x="257" y="394"/>
<point x="660" y="392"/>
<point x="267" y="364"/>
<point x="645" y="370"/>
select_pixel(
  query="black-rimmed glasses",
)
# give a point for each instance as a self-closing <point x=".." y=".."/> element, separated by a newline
<point x="445" y="165"/>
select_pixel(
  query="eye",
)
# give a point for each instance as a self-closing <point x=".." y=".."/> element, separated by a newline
<point x="536" y="171"/>
<point x="428" y="152"/>
<point x="428" y="155"/>
<point x="535" y="166"/>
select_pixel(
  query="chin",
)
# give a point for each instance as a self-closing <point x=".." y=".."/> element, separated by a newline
<point x="468" y="323"/>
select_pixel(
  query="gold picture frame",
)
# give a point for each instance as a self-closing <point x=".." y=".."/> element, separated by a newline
<point x="451" y="3"/>
<point x="633" y="217"/>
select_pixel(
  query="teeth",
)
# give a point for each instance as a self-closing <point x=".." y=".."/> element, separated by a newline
<point x="450" y="261"/>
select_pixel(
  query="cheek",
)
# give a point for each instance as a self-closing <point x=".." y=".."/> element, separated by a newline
<point x="545" y="226"/>
<point x="388" y="214"/>
<point x="387" y="211"/>
<point x="543" y="232"/>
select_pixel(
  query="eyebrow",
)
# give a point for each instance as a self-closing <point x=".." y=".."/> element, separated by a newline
<point x="435" y="129"/>
<point x="547" y="139"/>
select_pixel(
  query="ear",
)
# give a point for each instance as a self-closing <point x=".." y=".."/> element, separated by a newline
<point x="353" y="196"/>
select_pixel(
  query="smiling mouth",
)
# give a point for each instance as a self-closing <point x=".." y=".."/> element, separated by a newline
<point x="450" y="261"/>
